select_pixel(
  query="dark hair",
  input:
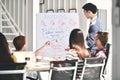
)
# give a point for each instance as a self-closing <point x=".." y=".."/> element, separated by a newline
<point x="5" y="56"/>
<point x="91" y="7"/>
<point x="19" y="42"/>
<point x="76" y="38"/>
<point x="103" y="37"/>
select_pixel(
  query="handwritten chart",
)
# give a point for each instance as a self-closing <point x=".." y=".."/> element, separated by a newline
<point x="55" y="27"/>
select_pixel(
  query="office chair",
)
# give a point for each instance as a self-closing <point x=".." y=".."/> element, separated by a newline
<point x="79" y="69"/>
<point x="92" y="69"/>
<point x="107" y="55"/>
<point x="63" y="70"/>
<point x="12" y="71"/>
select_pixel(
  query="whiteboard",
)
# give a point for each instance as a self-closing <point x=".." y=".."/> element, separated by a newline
<point x="55" y="27"/>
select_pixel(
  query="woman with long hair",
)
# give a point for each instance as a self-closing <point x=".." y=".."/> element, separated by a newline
<point x="5" y="56"/>
<point x="77" y="45"/>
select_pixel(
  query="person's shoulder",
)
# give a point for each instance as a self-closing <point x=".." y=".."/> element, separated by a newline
<point x="88" y="54"/>
<point x="14" y="57"/>
<point x="101" y="54"/>
<point x="98" y="21"/>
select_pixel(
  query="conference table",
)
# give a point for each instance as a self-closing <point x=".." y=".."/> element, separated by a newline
<point x="38" y="67"/>
<point x="32" y="65"/>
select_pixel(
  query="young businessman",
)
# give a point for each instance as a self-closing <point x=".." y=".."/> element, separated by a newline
<point x="90" y="11"/>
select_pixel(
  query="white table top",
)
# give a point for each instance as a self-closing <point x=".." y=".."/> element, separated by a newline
<point x="38" y="66"/>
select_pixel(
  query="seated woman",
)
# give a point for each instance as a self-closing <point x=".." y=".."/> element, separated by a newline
<point x="77" y="50"/>
<point x="5" y="57"/>
<point x="101" y="39"/>
<point x="77" y="47"/>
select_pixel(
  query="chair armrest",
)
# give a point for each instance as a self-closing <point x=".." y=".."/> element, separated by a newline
<point x="12" y="71"/>
<point x="63" y="68"/>
<point x="65" y="61"/>
<point x="12" y="66"/>
<point x="94" y="65"/>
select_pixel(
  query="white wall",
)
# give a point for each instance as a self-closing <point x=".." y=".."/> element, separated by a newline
<point x="116" y="41"/>
<point x="35" y="11"/>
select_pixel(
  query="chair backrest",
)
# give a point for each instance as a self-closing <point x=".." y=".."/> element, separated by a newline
<point x="63" y="70"/>
<point x="79" y="69"/>
<point x="92" y="69"/>
<point x="13" y="71"/>
<point x="107" y="49"/>
<point x="107" y="53"/>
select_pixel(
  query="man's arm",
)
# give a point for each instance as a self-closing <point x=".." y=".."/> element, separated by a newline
<point x="90" y="38"/>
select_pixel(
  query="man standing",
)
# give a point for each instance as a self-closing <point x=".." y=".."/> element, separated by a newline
<point x="90" y="11"/>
